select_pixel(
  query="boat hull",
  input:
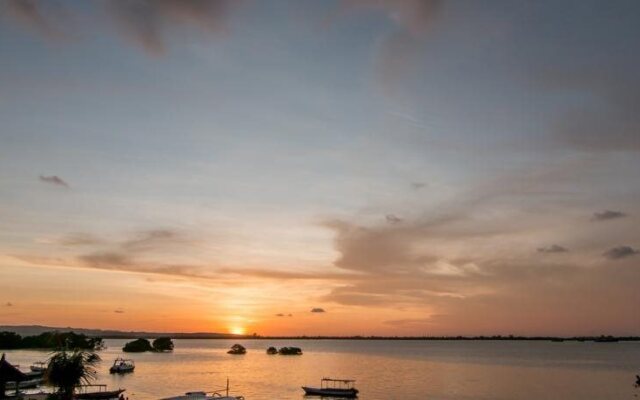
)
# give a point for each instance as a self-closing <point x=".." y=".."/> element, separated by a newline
<point x="345" y="393"/>
<point x="120" y="370"/>
<point x="113" y="394"/>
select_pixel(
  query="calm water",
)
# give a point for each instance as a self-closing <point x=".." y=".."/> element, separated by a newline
<point x="384" y="369"/>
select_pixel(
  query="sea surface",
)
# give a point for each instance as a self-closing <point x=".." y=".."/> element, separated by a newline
<point x="403" y="370"/>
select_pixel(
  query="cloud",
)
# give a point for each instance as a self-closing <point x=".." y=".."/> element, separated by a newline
<point x="392" y="219"/>
<point x="8" y="304"/>
<point x="144" y="23"/>
<point x="554" y="248"/>
<point x="418" y="185"/>
<point x="620" y="252"/>
<point x="155" y="238"/>
<point x="118" y="311"/>
<point x="284" y="315"/>
<point x="317" y="310"/>
<point x="607" y="214"/>
<point x="42" y="17"/>
<point x="399" y="50"/>
<point x="79" y="239"/>
<point x="147" y="23"/>
<point x="412" y="16"/>
<point x="54" y="180"/>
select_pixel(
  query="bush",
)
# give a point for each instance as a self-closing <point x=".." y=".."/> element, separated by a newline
<point x="137" y="346"/>
<point x="163" y="344"/>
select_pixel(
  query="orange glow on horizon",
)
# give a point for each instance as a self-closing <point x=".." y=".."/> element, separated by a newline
<point x="237" y="330"/>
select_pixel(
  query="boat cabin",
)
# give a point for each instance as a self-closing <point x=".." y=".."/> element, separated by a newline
<point x="334" y="388"/>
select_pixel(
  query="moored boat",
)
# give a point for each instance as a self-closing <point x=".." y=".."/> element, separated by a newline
<point x="220" y="394"/>
<point x="38" y="366"/>
<point x="96" y="392"/>
<point x="333" y="388"/>
<point x="28" y="384"/>
<point x="122" y="366"/>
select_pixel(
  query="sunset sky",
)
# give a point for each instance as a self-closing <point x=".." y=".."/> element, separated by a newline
<point x="387" y="167"/>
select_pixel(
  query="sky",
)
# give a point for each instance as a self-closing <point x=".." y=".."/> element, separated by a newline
<point x="339" y="167"/>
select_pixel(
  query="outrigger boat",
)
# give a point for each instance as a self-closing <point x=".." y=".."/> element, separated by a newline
<point x="220" y="394"/>
<point x="333" y="388"/>
<point x="101" y="393"/>
<point x="121" y="366"/>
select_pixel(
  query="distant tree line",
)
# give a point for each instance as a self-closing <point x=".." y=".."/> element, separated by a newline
<point x="50" y="340"/>
<point x="160" y="344"/>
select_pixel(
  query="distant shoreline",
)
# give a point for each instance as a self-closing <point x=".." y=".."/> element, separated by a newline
<point x="113" y="334"/>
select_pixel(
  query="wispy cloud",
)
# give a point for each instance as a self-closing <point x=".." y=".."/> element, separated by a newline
<point x="118" y="311"/>
<point x="620" y="252"/>
<point x="148" y="22"/>
<point x="393" y="219"/>
<point x="8" y="304"/>
<point x="554" y="248"/>
<point x="398" y="51"/>
<point x="54" y="180"/>
<point x="144" y="23"/>
<point x="317" y="310"/>
<point x="607" y="215"/>
<point x="43" y="17"/>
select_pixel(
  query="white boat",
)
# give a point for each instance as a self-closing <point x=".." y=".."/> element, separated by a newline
<point x="121" y="366"/>
<point x="222" y="394"/>
<point x="204" y="396"/>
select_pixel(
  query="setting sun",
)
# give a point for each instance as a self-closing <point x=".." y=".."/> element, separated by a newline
<point x="237" y="330"/>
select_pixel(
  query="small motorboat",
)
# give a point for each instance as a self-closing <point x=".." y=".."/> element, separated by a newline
<point x="290" y="351"/>
<point x="122" y="366"/>
<point x="333" y="388"/>
<point x="96" y="392"/>
<point x="221" y="394"/>
<point x="38" y="367"/>
<point x="272" y="350"/>
<point x="237" y="349"/>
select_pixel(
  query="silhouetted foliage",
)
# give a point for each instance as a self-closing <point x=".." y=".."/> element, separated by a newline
<point x="50" y="340"/>
<point x="68" y="369"/>
<point x="272" y="350"/>
<point x="10" y="340"/>
<point x="237" y="349"/>
<point x="290" y="351"/>
<point x="138" y="346"/>
<point x="163" y="344"/>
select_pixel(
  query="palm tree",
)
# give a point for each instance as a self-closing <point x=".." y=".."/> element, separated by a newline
<point x="68" y="369"/>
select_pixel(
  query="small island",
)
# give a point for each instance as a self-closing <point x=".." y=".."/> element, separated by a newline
<point x="160" y="345"/>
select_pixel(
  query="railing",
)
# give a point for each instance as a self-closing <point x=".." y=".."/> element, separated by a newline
<point x="83" y="388"/>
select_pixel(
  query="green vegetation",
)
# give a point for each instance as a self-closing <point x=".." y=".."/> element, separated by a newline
<point x="163" y="344"/>
<point x="141" y="345"/>
<point x="69" y="369"/>
<point x="50" y="340"/>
